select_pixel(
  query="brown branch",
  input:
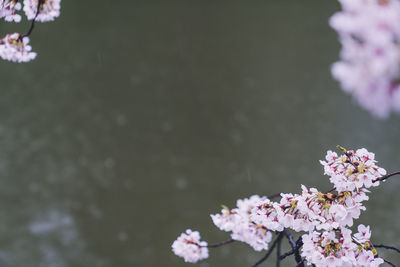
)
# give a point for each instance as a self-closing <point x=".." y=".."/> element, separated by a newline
<point x="274" y="196"/>
<point x="220" y="244"/>
<point x="269" y="251"/>
<point x="302" y="262"/>
<point x="40" y="2"/>
<point x="299" y="243"/>
<point x="388" y="262"/>
<point x="295" y="247"/>
<point x="382" y="178"/>
<point x="278" y="253"/>
<point x="333" y="189"/>
<point x="287" y="254"/>
<point x="387" y="247"/>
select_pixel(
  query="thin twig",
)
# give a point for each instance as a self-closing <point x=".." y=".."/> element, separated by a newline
<point x="279" y="237"/>
<point x="219" y="244"/>
<point x="287" y="254"/>
<point x="298" y="264"/>
<point x="40" y="2"/>
<point x="387" y="247"/>
<point x="278" y="252"/>
<point x="299" y="243"/>
<point x="333" y="189"/>
<point x="388" y="262"/>
<point x="295" y="246"/>
<point x="274" y="196"/>
<point x="382" y="178"/>
<point x="290" y="238"/>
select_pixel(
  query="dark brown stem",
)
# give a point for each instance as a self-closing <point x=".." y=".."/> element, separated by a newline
<point x="287" y="254"/>
<point x="299" y="243"/>
<point x="274" y="196"/>
<point x="302" y="262"/>
<point x="295" y="247"/>
<point x="269" y="251"/>
<point x="387" y="247"/>
<point x="382" y="178"/>
<point x="278" y="253"/>
<point x="333" y="189"/>
<point x="388" y="262"/>
<point x="219" y="244"/>
<point x="40" y="2"/>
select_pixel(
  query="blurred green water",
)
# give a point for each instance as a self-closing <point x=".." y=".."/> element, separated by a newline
<point x="139" y="118"/>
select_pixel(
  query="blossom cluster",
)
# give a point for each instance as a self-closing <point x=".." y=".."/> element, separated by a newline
<point x="353" y="170"/>
<point x="339" y="248"/>
<point x="48" y="11"/>
<point x="14" y="47"/>
<point x="242" y="227"/>
<point x="325" y="217"/>
<point x="8" y="10"/>
<point x="189" y="247"/>
<point x="309" y="210"/>
<point x="369" y="69"/>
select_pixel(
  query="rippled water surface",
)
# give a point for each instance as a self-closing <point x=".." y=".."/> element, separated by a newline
<point x="139" y="118"/>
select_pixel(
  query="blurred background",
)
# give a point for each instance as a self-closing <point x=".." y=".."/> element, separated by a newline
<point x="138" y="119"/>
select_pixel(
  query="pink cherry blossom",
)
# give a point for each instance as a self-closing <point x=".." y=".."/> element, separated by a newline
<point x="15" y="48"/>
<point x="189" y="247"/>
<point x="364" y="233"/>
<point x="8" y="9"/>
<point x="369" y="32"/>
<point x="243" y="229"/>
<point x="354" y="170"/>
<point x="48" y="11"/>
<point x="337" y="247"/>
<point x="325" y="217"/>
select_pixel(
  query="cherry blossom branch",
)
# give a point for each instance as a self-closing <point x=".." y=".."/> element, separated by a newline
<point x="324" y="215"/>
<point x="355" y="164"/>
<point x="15" y="46"/>
<point x="276" y="243"/>
<point x="220" y="244"/>
<point x="215" y="245"/>
<point x="387" y="247"/>
<point x="269" y="251"/>
<point x="40" y="2"/>
<point x="382" y="178"/>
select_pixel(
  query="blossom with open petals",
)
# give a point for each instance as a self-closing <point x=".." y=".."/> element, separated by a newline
<point x="242" y="227"/>
<point x="48" y="11"/>
<point x="338" y="248"/>
<point x="353" y="170"/>
<point x="14" y="47"/>
<point x="369" y="65"/>
<point x="189" y="247"/>
<point x="8" y="9"/>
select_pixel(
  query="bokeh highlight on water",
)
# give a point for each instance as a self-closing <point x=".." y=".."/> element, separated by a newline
<point x="139" y="118"/>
